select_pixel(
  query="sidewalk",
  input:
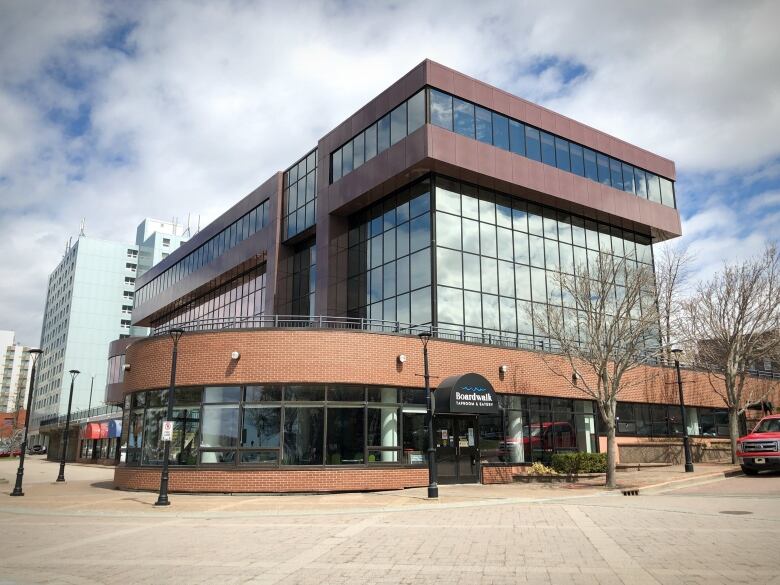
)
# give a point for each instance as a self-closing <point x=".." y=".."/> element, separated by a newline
<point x="89" y="491"/>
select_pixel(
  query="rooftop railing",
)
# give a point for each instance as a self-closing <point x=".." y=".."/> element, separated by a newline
<point x="81" y="415"/>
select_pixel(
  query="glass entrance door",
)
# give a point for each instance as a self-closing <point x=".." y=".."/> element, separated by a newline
<point x="457" y="451"/>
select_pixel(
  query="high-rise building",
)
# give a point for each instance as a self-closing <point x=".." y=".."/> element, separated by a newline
<point x="14" y="373"/>
<point x="89" y="303"/>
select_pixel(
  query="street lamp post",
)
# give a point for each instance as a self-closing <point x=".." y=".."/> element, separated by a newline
<point x="162" y="499"/>
<point x="91" y="385"/>
<point x="433" y="487"/>
<point x="686" y="439"/>
<point x="20" y="472"/>
<point x="61" y="476"/>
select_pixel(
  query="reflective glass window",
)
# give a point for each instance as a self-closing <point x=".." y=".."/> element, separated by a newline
<point x="517" y="137"/>
<point x="383" y="133"/>
<point x="628" y="178"/>
<point x="484" y="123"/>
<point x="441" y="109"/>
<point x="261" y="427"/>
<point x="577" y="160"/>
<point x="562" y="154"/>
<point x="667" y="192"/>
<point x="464" y="117"/>
<point x="533" y="146"/>
<point x="640" y="184"/>
<point x="616" y="173"/>
<point x="398" y="123"/>
<point x="359" y="150"/>
<point x="370" y="142"/>
<point x="548" y="149"/>
<point x="416" y="111"/>
<point x="603" y="169"/>
<point x="500" y="131"/>
<point x="303" y="435"/>
<point x="653" y="188"/>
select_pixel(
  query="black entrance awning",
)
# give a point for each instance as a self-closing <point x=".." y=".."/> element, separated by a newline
<point x="466" y="394"/>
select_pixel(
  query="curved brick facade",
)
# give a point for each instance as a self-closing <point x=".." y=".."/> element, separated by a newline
<point x="321" y="356"/>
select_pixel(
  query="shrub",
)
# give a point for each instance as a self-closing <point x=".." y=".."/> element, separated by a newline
<point x="541" y="469"/>
<point x="574" y="463"/>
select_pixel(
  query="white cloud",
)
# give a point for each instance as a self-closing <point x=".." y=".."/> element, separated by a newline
<point x="212" y="98"/>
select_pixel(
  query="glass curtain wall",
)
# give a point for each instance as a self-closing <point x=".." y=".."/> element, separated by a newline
<point x="496" y="261"/>
<point x="234" y="303"/>
<point x="300" y="196"/>
<point x="298" y="280"/>
<point x="389" y="258"/>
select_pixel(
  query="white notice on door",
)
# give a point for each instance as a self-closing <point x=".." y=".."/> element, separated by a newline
<point x="471" y="436"/>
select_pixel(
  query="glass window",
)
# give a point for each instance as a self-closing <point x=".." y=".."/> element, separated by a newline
<point x="421" y="306"/>
<point x="516" y="137"/>
<point x="450" y="305"/>
<point x="447" y="197"/>
<point x="548" y="149"/>
<point x="415" y="437"/>
<point x="398" y="123"/>
<point x="370" y="142"/>
<point x="448" y="267"/>
<point x="383" y="134"/>
<point x="484" y="125"/>
<point x="603" y="169"/>
<point x="420" y="232"/>
<point x="263" y="394"/>
<point x="562" y="154"/>
<point x="345" y="436"/>
<point x="303" y="435"/>
<point x="500" y="131"/>
<point x="152" y="445"/>
<point x="470" y="236"/>
<point x="222" y="394"/>
<point x="304" y="393"/>
<point x="441" y="109"/>
<point x="487" y="239"/>
<point x="640" y="183"/>
<point x="653" y="188"/>
<point x="359" y="150"/>
<point x="347" y="158"/>
<point x="532" y="144"/>
<point x="667" y="192"/>
<point x="464" y="117"/>
<point x="420" y="268"/>
<point x="261" y="427"/>
<point x="383" y="429"/>
<point x="219" y="427"/>
<point x="628" y="178"/>
<point x="616" y="173"/>
<point x="416" y="111"/>
<point x="577" y="160"/>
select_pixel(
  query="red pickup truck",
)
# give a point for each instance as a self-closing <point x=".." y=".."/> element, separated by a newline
<point x="760" y="450"/>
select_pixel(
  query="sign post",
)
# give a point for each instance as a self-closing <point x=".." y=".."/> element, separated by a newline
<point x="167" y="430"/>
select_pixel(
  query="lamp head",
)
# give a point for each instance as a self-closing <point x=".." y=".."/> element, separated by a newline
<point x="35" y="350"/>
<point x="74" y="372"/>
<point x="677" y="351"/>
<point x="176" y="334"/>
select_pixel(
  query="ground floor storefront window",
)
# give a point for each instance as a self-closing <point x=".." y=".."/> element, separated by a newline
<point x="341" y="425"/>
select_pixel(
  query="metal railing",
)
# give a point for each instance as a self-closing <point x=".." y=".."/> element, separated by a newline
<point x="80" y="415"/>
<point x="517" y="340"/>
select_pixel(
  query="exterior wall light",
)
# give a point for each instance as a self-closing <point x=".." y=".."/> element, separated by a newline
<point x="503" y="368"/>
<point x="402" y="358"/>
<point x="126" y="367"/>
<point x="235" y="355"/>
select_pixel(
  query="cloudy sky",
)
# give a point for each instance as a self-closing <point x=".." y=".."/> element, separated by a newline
<point x="118" y="111"/>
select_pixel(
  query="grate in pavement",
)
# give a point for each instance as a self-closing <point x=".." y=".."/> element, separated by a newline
<point x="630" y="492"/>
<point x="735" y="512"/>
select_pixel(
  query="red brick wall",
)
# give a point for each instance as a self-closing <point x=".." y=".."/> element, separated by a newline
<point x="328" y="356"/>
<point x="272" y="480"/>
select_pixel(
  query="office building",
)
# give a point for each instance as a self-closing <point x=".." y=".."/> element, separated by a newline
<point x="444" y="204"/>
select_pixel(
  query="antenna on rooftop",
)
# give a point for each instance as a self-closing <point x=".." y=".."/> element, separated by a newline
<point x="82" y="227"/>
<point x="198" y="224"/>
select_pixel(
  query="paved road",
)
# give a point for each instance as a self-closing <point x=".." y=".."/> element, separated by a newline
<point x="519" y="536"/>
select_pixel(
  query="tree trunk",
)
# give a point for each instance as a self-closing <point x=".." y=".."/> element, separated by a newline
<point x="611" y="456"/>
<point x="733" y="433"/>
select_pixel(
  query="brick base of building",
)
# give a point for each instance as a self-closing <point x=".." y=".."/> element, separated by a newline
<point x="501" y="474"/>
<point x="270" y="481"/>
<point x="96" y="461"/>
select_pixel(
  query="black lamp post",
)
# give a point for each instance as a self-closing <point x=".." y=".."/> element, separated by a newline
<point x="433" y="487"/>
<point x="61" y="476"/>
<point x="162" y="499"/>
<point x="686" y="439"/>
<point x="20" y="472"/>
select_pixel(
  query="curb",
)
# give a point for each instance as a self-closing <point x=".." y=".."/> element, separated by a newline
<point x="680" y="483"/>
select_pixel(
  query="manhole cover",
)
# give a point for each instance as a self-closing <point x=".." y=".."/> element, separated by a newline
<point x="735" y="512"/>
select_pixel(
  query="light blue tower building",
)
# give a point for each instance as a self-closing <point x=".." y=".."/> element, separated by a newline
<point x="89" y="303"/>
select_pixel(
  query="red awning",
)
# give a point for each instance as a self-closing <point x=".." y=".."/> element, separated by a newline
<point x="92" y="431"/>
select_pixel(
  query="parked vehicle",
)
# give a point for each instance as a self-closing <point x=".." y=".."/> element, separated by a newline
<point x="37" y="450"/>
<point x="5" y="452"/>
<point x="760" y="450"/>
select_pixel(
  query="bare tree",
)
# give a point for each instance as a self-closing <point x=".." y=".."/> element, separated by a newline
<point x="607" y="324"/>
<point x="735" y="318"/>
<point x="672" y="275"/>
